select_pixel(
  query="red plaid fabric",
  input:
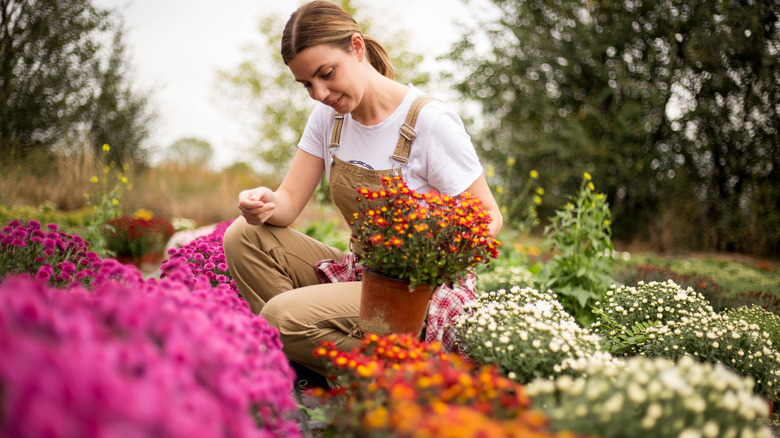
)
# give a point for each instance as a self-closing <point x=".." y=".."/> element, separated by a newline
<point x="446" y="304"/>
<point x="334" y="271"/>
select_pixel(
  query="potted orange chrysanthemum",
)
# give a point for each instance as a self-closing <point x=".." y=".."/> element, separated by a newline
<point x="415" y="242"/>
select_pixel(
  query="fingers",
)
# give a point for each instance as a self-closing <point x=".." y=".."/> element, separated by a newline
<point x="259" y="213"/>
<point x="256" y="205"/>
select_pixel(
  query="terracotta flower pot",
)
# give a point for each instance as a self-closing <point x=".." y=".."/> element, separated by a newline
<point x="387" y="306"/>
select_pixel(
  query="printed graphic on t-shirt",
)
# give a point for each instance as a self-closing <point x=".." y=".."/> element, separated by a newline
<point x="360" y="163"/>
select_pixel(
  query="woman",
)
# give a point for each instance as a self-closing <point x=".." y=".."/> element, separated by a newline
<point x="349" y="136"/>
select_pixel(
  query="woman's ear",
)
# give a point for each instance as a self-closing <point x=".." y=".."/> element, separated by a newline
<point x="358" y="46"/>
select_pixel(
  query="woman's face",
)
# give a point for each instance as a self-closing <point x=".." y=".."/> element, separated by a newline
<point x="331" y="75"/>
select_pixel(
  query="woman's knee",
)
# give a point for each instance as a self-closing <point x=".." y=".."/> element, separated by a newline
<point x="235" y="233"/>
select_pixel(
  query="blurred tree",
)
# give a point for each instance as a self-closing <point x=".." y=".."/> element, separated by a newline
<point x="63" y="73"/>
<point x="671" y="105"/>
<point x="119" y="115"/>
<point x="277" y="106"/>
<point x="189" y="152"/>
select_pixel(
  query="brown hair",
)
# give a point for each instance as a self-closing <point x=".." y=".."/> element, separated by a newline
<point x="323" y="22"/>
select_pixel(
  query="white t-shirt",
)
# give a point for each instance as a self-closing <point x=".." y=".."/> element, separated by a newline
<point x="442" y="156"/>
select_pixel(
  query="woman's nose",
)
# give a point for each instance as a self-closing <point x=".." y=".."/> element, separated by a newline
<point x="319" y="92"/>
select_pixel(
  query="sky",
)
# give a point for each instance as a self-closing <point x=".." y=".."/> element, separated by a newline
<point x="175" y="48"/>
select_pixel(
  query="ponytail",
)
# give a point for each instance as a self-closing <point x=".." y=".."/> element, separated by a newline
<point x="378" y="57"/>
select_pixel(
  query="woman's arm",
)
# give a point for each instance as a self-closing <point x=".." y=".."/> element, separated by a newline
<point x="481" y="190"/>
<point x="281" y="207"/>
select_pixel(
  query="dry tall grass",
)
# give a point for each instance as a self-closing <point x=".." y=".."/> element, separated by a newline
<point x="61" y="179"/>
<point x="196" y="193"/>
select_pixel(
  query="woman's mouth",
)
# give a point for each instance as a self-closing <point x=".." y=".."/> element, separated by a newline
<point x="336" y="102"/>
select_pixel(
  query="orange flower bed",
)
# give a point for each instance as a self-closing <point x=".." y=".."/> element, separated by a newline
<point x="401" y="387"/>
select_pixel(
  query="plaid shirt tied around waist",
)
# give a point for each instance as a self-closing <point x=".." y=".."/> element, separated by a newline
<point x="447" y="302"/>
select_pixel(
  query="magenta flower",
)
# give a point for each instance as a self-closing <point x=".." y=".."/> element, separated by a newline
<point x="139" y="358"/>
<point x="25" y="249"/>
<point x="205" y="257"/>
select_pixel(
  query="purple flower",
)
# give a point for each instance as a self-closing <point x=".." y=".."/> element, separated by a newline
<point x="53" y="227"/>
<point x="43" y="275"/>
<point x="68" y="267"/>
<point x="50" y="248"/>
<point x="132" y="357"/>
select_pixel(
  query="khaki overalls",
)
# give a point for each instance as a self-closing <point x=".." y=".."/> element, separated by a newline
<point x="273" y="267"/>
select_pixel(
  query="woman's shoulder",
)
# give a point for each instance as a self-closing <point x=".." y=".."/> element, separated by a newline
<point x="437" y="114"/>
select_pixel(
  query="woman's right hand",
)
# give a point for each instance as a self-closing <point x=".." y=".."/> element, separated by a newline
<point x="256" y="205"/>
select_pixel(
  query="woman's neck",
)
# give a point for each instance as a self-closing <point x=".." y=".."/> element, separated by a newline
<point x="381" y="98"/>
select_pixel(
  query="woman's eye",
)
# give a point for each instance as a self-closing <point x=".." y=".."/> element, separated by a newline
<point x="328" y="74"/>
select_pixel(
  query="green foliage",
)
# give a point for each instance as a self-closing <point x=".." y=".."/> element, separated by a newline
<point x="68" y="221"/>
<point x="580" y="237"/>
<point x="64" y="76"/>
<point x="104" y="200"/>
<point x="621" y="340"/>
<point x="672" y="105"/>
<point x="328" y="233"/>
<point x="263" y="85"/>
<point x="518" y="207"/>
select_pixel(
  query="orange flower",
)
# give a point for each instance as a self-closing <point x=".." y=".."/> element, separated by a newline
<point x="408" y="247"/>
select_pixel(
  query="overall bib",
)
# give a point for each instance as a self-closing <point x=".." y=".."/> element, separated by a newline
<point x="274" y="267"/>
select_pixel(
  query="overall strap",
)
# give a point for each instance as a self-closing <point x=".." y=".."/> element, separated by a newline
<point x="335" y="136"/>
<point x="407" y="132"/>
